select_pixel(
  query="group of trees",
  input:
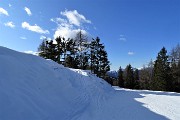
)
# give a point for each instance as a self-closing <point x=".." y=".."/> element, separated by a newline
<point x="77" y="53"/>
<point x="162" y="74"/>
<point x="128" y="78"/>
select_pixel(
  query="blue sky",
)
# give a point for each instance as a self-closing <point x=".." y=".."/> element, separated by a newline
<point x="133" y="31"/>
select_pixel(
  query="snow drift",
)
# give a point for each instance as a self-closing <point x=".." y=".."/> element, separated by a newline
<point x="32" y="88"/>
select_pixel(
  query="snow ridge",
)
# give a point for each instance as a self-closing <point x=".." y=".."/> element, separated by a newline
<point x="32" y="88"/>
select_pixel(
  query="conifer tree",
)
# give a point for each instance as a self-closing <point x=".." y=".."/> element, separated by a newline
<point x="136" y="78"/>
<point x="93" y="56"/>
<point x="42" y="49"/>
<point x="120" y="78"/>
<point x="99" y="59"/>
<point x="129" y="77"/>
<point x="175" y="68"/>
<point x="59" y="48"/>
<point x="161" y="77"/>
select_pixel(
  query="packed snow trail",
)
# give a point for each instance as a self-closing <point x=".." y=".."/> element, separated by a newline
<point x="32" y="88"/>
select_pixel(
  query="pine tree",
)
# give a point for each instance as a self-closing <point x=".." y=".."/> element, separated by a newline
<point x="98" y="58"/>
<point x="71" y="62"/>
<point x="175" y="68"/>
<point x="93" y="56"/>
<point x="129" y="77"/>
<point x="120" y="78"/>
<point x="145" y="75"/>
<point x="161" y="77"/>
<point x="136" y="79"/>
<point x="42" y="49"/>
<point x="59" y="48"/>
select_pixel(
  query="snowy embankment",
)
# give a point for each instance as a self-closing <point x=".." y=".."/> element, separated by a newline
<point x="32" y="88"/>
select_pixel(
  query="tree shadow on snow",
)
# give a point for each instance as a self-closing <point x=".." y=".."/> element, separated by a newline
<point x="160" y="93"/>
<point x="130" y="109"/>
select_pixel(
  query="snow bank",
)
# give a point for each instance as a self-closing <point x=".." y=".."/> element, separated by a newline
<point x="32" y="88"/>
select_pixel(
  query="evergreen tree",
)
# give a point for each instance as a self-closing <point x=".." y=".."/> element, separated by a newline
<point x="175" y="68"/>
<point x="42" y="49"/>
<point x="104" y="63"/>
<point x="52" y="52"/>
<point x="145" y="76"/>
<point x="77" y="53"/>
<point x="161" y="77"/>
<point x="136" y="74"/>
<point x="93" y="56"/>
<point x="59" y="48"/>
<point x="48" y="50"/>
<point x="129" y="77"/>
<point x="71" y="62"/>
<point x="99" y="59"/>
<point x="120" y="78"/>
<point x="136" y="79"/>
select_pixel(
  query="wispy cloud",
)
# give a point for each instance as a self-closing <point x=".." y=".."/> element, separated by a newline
<point x="31" y="52"/>
<point x="24" y="38"/>
<point x="71" y="25"/>
<point x="131" y="53"/>
<point x="42" y="37"/>
<point x="28" y="11"/>
<point x="9" y="5"/>
<point x="122" y="38"/>
<point x="34" y="28"/>
<point x="3" y="11"/>
<point x="9" y="24"/>
<point x="74" y="17"/>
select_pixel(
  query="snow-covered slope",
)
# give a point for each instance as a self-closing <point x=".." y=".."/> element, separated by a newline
<point x="32" y="88"/>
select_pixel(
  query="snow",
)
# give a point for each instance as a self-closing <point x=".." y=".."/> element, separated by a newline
<point x="32" y="88"/>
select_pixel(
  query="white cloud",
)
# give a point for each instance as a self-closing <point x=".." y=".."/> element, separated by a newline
<point x="34" y="28"/>
<point x="31" y="52"/>
<point x="24" y="38"/>
<point x="122" y="38"/>
<point x="28" y="11"/>
<point x="9" y="5"/>
<point x="42" y="37"/>
<point x="3" y="11"/>
<point x="130" y="53"/>
<point x="67" y="32"/>
<point x="74" y="17"/>
<point x="71" y="25"/>
<point x="9" y="24"/>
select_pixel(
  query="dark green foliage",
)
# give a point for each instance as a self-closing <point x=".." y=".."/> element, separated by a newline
<point x="136" y="78"/>
<point x="42" y="49"/>
<point x="161" y="76"/>
<point x="175" y="68"/>
<point x="120" y="78"/>
<point x="48" y="50"/>
<point x="71" y="62"/>
<point x="129" y="77"/>
<point x="77" y="53"/>
<point x="99" y="63"/>
<point x="59" y="49"/>
<point x="145" y="78"/>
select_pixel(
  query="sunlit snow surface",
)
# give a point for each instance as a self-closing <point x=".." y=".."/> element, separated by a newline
<point x="163" y="103"/>
<point x="32" y="88"/>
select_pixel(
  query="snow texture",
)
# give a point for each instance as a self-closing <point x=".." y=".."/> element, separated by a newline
<point x="32" y="88"/>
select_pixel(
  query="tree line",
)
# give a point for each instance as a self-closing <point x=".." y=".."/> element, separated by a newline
<point x="163" y="74"/>
<point x="78" y="53"/>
